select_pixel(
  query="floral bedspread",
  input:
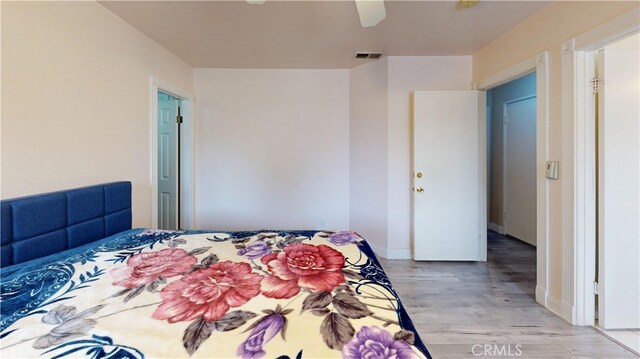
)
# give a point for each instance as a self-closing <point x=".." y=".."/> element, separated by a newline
<point x="155" y="293"/>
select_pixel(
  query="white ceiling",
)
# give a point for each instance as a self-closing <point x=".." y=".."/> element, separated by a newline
<point x="316" y="34"/>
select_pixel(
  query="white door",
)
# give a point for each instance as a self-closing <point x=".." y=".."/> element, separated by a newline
<point x="520" y="169"/>
<point x="167" y="162"/>
<point x="445" y="152"/>
<point x="619" y="188"/>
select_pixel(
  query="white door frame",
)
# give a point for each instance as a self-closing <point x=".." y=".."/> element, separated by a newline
<point x="539" y="64"/>
<point x="505" y="221"/>
<point x="187" y="150"/>
<point x="579" y="156"/>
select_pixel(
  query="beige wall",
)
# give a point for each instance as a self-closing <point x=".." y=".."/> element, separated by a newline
<point x="272" y="149"/>
<point x="75" y="96"/>
<point x="380" y="142"/>
<point x="546" y="30"/>
<point x="368" y="152"/>
<point x="405" y="75"/>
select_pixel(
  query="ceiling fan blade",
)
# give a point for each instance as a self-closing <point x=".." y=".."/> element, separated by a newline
<point x="256" y="2"/>
<point x="371" y="12"/>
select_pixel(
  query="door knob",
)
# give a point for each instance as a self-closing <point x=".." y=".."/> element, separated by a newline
<point x="419" y="189"/>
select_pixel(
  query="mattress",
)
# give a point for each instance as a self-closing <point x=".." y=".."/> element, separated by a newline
<point x="156" y="293"/>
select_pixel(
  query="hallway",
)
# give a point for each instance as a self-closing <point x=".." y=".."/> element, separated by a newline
<point x="460" y="307"/>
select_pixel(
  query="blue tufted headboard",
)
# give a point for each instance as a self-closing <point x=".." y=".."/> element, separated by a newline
<point x="39" y="225"/>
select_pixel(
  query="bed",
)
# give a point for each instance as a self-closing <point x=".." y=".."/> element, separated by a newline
<point x="77" y="281"/>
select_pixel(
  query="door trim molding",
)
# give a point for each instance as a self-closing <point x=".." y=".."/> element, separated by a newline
<point x="505" y="207"/>
<point x="539" y="64"/>
<point x="578" y="123"/>
<point x="188" y="158"/>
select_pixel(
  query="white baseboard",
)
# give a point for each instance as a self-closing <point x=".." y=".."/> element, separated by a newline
<point x="541" y="296"/>
<point x="395" y="253"/>
<point x="568" y="313"/>
<point x="399" y="253"/>
<point x="495" y="227"/>
<point x="554" y="305"/>
<point x="379" y="251"/>
<point x="561" y="309"/>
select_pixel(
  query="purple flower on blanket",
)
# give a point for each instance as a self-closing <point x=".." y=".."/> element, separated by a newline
<point x="255" y="250"/>
<point x="262" y="332"/>
<point x="343" y="238"/>
<point x="375" y="342"/>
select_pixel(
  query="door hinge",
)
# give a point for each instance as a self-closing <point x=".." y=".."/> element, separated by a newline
<point x="596" y="289"/>
<point x="595" y="85"/>
<point x="504" y="215"/>
<point x="505" y="120"/>
<point x="179" y="117"/>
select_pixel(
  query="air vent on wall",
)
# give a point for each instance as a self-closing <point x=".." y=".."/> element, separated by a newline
<point x="368" y="55"/>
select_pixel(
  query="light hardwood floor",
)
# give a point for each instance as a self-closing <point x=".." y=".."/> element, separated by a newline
<point x="456" y="305"/>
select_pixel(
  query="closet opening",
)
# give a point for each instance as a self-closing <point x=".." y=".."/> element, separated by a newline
<point x="172" y="204"/>
<point x="169" y="122"/>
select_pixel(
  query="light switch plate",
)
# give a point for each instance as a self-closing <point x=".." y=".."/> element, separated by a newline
<point x="551" y="170"/>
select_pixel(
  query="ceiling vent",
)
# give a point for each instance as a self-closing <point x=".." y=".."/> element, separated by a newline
<point x="368" y="55"/>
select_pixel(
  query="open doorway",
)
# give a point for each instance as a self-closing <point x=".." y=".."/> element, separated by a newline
<point x="511" y="158"/>
<point x="169" y="124"/>
<point x="172" y="155"/>
<point x="579" y="157"/>
<point x="537" y="68"/>
<point x="511" y="179"/>
<point x="616" y="89"/>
